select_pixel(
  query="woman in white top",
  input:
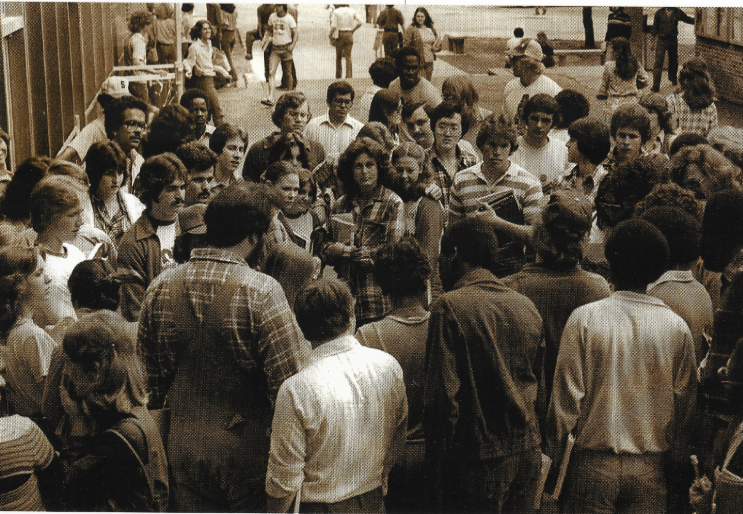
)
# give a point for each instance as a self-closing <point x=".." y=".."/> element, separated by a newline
<point x="56" y="217"/>
<point x="199" y="64"/>
<point x="423" y="37"/>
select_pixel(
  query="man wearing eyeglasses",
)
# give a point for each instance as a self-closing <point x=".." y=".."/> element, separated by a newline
<point x="291" y="116"/>
<point x="126" y="123"/>
<point x="336" y="129"/>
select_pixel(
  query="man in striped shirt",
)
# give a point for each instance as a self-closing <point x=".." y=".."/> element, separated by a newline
<point x="495" y="174"/>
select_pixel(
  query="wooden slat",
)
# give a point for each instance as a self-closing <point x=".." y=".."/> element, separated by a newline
<point x="79" y="100"/>
<point x="98" y="49"/>
<point x="52" y="74"/>
<point x="17" y="89"/>
<point x="67" y="104"/>
<point x="89" y="82"/>
<point x="36" y="80"/>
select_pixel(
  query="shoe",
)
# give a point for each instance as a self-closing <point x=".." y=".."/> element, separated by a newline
<point x="267" y="102"/>
<point x="282" y="87"/>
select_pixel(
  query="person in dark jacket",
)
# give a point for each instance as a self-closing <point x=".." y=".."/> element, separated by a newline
<point x="666" y="30"/>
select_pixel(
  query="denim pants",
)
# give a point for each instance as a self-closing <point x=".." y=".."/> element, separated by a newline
<point x="343" y="48"/>
<point x="663" y="45"/>
<point x="604" y="482"/>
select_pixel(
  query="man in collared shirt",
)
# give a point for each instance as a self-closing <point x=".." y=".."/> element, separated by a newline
<point x="346" y="21"/>
<point x="218" y="339"/>
<point x="336" y="129"/>
<point x="125" y="123"/>
<point x="146" y="248"/>
<point x="341" y="420"/>
<point x="588" y="146"/>
<point x="625" y="385"/>
<point x="483" y="360"/>
<point x="291" y="115"/>
<point x="197" y="104"/>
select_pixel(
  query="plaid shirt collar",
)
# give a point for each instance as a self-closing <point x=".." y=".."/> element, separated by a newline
<point x="216" y="254"/>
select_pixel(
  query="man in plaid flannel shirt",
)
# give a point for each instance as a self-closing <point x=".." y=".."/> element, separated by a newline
<point x="218" y="339"/>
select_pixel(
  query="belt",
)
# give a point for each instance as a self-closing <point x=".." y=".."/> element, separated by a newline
<point x="391" y="30"/>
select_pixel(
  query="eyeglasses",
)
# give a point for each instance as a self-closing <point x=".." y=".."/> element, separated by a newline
<point x="343" y="103"/>
<point x="135" y="125"/>
<point x="298" y="115"/>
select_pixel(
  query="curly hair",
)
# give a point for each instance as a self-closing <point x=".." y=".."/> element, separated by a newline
<point x="188" y="96"/>
<point x="348" y="158"/>
<point x="592" y="136"/>
<point x="403" y="268"/>
<point x="114" y="115"/>
<point x="290" y="100"/>
<point x="107" y="370"/>
<point x="156" y="173"/>
<point x="378" y="132"/>
<point x="495" y="129"/>
<point x="383" y="72"/>
<point x="195" y="32"/>
<point x="17" y="263"/>
<point x="720" y="173"/>
<point x="671" y="195"/>
<point x="138" y="21"/>
<point x="696" y="84"/>
<point x="196" y="156"/>
<point x="634" y="117"/>
<point x="170" y="128"/>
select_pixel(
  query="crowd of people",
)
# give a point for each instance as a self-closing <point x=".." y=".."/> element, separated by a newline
<point x="425" y="311"/>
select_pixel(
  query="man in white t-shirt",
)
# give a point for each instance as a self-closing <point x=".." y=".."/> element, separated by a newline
<point x="282" y="29"/>
<point x="147" y="247"/>
<point x="528" y="70"/>
<point x="410" y="86"/>
<point x="544" y="157"/>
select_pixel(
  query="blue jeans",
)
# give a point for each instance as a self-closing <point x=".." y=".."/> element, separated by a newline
<point x="603" y="482"/>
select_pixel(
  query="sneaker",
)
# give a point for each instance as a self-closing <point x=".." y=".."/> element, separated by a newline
<point x="267" y="102"/>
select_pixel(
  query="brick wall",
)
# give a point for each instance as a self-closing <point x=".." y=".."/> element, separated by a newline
<point x="725" y="63"/>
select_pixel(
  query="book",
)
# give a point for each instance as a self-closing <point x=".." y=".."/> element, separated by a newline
<point x="564" y="466"/>
<point x="505" y="206"/>
<point x="343" y="228"/>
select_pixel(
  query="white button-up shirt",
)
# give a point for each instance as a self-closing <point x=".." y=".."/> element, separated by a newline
<point x="338" y="424"/>
<point x="334" y="139"/>
<point x="345" y="18"/>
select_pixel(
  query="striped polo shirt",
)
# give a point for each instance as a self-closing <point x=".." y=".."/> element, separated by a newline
<point x="470" y="185"/>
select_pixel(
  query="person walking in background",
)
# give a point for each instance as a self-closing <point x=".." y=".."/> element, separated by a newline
<point x="199" y="64"/>
<point x="392" y="21"/>
<point x="512" y="43"/>
<point x="622" y="77"/>
<point x="282" y="31"/>
<point x="618" y="25"/>
<point x="422" y="36"/>
<point x="666" y="30"/>
<point x="345" y="21"/>
<point x="228" y="19"/>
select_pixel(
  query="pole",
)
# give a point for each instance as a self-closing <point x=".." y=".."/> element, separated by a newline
<point x="178" y="49"/>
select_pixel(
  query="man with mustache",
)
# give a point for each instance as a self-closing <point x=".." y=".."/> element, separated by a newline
<point x="147" y="247"/>
<point x="291" y="115"/>
<point x="544" y="157"/>
<point x="199" y="161"/>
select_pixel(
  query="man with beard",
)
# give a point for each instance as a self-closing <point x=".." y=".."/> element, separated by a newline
<point x="199" y="161"/>
<point x="229" y="143"/>
<point x="416" y="125"/>
<point x="197" y="104"/>
<point x="147" y="247"/>
<point x="336" y="129"/>
<point x="424" y="217"/>
<point x="291" y="115"/>
<point x="483" y="360"/>
<point x="125" y="122"/>
<point x="218" y="339"/>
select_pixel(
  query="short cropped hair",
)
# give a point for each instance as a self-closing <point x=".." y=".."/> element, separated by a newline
<point x="223" y="134"/>
<point x="290" y="100"/>
<point x="474" y="242"/>
<point x="101" y="158"/>
<point x="156" y="173"/>
<point x="383" y="72"/>
<point x="681" y="230"/>
<point x="403" y="268"/>
<point x="632" y="116"/>
<point x="324" y="309"/>
<point x="238" y="211"/>
<point x="637" y="253"/>
<point x="518" y="32"/>
<point x="448" y="110"/>
<point x="196" y="156"/>
<point x="339" y="88"/>
<point x="573" y="106"/>
<point x="495" y="129"/>
<point x="402" y="53"/>
<point x="348" y="158"/>
<point x="114" y="116"/>
<point x="593" y="138"/>
<point x="542" y="103"/>
<point x="190" y="94"/>
<point x="52" y="197"/>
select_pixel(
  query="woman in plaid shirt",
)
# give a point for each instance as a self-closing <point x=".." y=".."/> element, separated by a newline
<point x="693" y="107"/>
<point x="377" y="215"/>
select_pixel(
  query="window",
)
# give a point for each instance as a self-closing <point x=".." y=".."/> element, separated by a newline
<point x="723" y="23"/>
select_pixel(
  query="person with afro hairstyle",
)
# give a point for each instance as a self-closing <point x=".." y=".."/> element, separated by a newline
<point x="573" y="106"/>
<point x="147" y="247"/>
<point x="630" y="130"/>
<point x="588" y="146"/>
<point x="624" y="462"/>
<point x="196" y="103"/>
<point x="170" y="128"/>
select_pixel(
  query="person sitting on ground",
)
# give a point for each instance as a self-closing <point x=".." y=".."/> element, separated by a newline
<point x="229" y="143"/>
<point x="530" y="79"/>
<point x="304" y="462"/>
<point x="622" y="77"/>
<point x="460" y="89"/>
<point x="573" y="106"/>
<point x="291" y="115"/>
<point x="199" y="160"/>
<point x="402" y="334"/>
<point x="541" y="155"/>
<point x="114" y="210"/>
<point x="197" y="104"/>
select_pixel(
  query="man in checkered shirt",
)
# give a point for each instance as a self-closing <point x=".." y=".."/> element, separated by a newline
<point x="218" y="339"/>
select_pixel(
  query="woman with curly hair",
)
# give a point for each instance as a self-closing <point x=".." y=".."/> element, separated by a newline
<point x="623" y="77"/>
<point x="25" y="299"/>
<point x="692" y="106"/>
<point x="199" y="64"/>
<point x="368" y="216"/>
<point x="704" y="171"/>
<point x="422" y="36"/>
